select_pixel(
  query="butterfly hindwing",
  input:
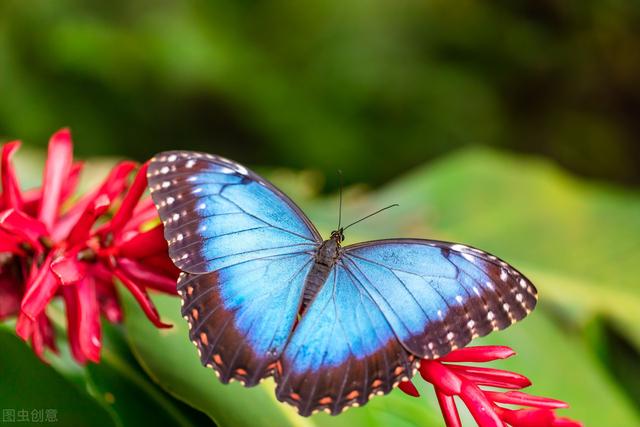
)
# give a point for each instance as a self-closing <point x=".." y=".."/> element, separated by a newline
<point x="245" y="250"/>
<point x="342" y="352"/>
<point x="241" y="316"/>
<point x="217" y="212"/>
<point x="437" y="296"/>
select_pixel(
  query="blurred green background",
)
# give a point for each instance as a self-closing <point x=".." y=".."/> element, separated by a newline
<point x="370" y="87"/>
<point x="509" y="125"/>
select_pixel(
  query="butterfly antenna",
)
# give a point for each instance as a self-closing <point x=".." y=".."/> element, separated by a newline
<point x="340" y="203"/>
<point x="370" y="215"/>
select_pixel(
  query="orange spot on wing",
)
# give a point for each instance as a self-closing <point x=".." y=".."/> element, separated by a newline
<point x="398" y="370"/>
<point x="204" y="339"/>
<point x="217" y="359"/>
<point x="241" y="371"/>
<point x="376" y="383"/>
<point x="295" y="396"/>
<point x="194" y="314"/>
<point x="353" y="394"/>
<point x="279" y="367"/>
<point x="325" y="400"/>
<point x="190" y="290"/>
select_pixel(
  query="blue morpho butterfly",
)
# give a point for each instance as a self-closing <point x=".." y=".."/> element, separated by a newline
<point x="265" y="295"/>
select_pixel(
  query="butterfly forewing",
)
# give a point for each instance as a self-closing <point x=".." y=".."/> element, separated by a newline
<point x="218" y="213"/>
<point x="245" y="249"/>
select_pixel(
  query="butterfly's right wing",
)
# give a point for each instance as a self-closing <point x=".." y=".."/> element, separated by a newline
<point x="245" y="250"/>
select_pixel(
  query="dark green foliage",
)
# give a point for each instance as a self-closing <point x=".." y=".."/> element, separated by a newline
<point x="372" y="88"/>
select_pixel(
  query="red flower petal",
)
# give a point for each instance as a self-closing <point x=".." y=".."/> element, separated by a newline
<point x="55" y="174"/>
<point x="40" y="290"/>
<point x="145" y="244"/>
<point x="409" y="388"/>
<point x="527" y="417"/>
<point x="143" y="299"/>
<point x="146" y="277"/>
<point x="24" y="326"/>
<point x="479" y="406"/>
<point x="449" y="410"/>
<point x="9" y="242"/>
<point x="42" y="337"/>
<point x="73" y="331"/>
<point x="566" y="422"/>
<point x="109" y="302"/>
<point x="89" y="333"/>
<point x="130" y="201"/>
<point x="440" y="376"/>
<point x="144" y="212"/>
<point x="492" y="377"/>
<point x="37" y="341"/>
<point x="524" y="399"/>
<point x="32" y="197"/>
<point x="11" y="195"/>
<point x="47" y="332"/>
<point x="94" y="210"/>
<point x="478" y="354"/>
<point x="10" y="293"/>
<point x="69" y="269"/>
<point x="30" y="230"/>
<point x="111" y="187"/>
<point x="72" y="181"/>
<point x="163" y="264"/>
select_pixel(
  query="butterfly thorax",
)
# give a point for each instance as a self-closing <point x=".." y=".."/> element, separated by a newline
<point x="326" y="257"/>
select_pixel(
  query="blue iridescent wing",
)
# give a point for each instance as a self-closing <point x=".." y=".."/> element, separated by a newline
<point x="388" y="304"/>
<point x="245" y="249"/>
<point x="438" y="296"/>
<point x="342" y="352"/>
<point x="217" y="212"/>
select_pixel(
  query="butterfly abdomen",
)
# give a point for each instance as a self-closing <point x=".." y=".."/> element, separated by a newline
<point x="326" y="257"/>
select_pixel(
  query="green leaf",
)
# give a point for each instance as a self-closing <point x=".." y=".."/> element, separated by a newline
<point x="171" y="360"/>
<point x="29" y="384"/>
<point x="120" y="384"/>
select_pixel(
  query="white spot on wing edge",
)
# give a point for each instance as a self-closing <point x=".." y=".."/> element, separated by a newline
<point x="458" y="247"/>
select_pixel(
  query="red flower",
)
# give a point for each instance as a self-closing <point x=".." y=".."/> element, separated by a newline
<point x="51" y="248"/>
<point x="450" y="380"/>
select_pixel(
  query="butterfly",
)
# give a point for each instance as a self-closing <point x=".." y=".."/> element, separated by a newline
<point x="265" y="295"/>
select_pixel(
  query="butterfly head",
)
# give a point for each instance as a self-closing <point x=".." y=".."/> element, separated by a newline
<point x="338" y="235"/>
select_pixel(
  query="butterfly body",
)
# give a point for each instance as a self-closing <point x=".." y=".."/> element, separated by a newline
<point x="326" y="257"/>
<point x="265" y="295"/>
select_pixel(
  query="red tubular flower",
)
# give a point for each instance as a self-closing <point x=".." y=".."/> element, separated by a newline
<point x="450" y="380"/>
<point x="50" y="248"/>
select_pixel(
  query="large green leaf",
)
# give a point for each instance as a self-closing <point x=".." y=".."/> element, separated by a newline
<point x="120" y="384"/>
<point x="28" y="384"/>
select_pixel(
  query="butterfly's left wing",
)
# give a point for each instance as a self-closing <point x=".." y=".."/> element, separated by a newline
<point x="246" y="250"/>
